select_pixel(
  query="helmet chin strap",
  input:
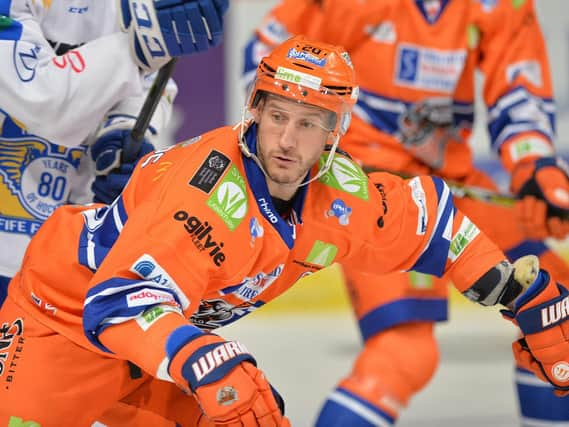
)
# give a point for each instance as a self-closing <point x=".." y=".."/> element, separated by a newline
<point x="245" y="123"/>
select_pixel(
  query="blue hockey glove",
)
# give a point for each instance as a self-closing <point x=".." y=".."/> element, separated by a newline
<point x="162" y="29"/>
<point x="111" y="174"/>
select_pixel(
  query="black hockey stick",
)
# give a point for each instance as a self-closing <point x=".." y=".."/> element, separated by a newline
<point x="132" y="147"/>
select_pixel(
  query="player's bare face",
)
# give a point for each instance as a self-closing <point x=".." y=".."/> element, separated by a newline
<point x="291" y="138"/>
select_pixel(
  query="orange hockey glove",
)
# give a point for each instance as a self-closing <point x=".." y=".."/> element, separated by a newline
<point x="541" y="312"/>
<point x="224" y="379"/>
<point x="542" y="186"/>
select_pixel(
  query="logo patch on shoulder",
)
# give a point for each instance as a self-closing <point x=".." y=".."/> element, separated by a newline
<point x="210" y="171"/>
<point x="345" y="175"/>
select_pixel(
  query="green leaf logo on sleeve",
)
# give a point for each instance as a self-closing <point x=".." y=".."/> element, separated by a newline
<point x="466" y="234"/>
<point x="229" y="200"/>
<point x="345" y="175"/>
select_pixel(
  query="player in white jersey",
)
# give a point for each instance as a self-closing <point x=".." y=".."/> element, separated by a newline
<point x="72" y="84"/>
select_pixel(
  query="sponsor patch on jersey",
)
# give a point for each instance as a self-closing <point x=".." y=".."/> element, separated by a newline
<point x="150" y="316"/>
<point x="147" y="296"/>
<point x="465" y="234"/>
<point x="384" y="32"/>
<point x="214" y="313"/>
<point x="428" y="69"/>
<point x="9" y="334"/>
<point x="420" y="199"/>
<point x="528" y="147"/>
<point x="340" y="210"/>
<point x="229" y="200"/>
<point x="530" y="70"/>
<point x="381" y="189"/>
<point x="255" y="229"/>
<point x="322" y="253"/>
<point x="251" y="287"/>
<point x="201" y="233"/>
<point x="345" y="175"/>
<point x="146" y="267"/>
<point x="210" y="171"/>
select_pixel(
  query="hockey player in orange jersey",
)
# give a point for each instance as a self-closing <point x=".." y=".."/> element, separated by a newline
<point x="416" y="62"/>
<point x="203" y="234"/>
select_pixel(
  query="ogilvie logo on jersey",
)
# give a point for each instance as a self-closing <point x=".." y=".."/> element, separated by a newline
<point x="216" y="357"/>
<point x="201" y="236"/>
<point x="554" y="313"/>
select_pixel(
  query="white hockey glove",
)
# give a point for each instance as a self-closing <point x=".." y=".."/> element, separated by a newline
<point x="162" y="29"/>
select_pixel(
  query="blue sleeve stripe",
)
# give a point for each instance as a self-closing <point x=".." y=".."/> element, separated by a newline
<point x="434" y="257"/>
<point x="384" y="113"/>
<point x="403" y="311"/>
<point x="10" y="29"/>
<point x="381" y="112"/>
<point x="502" y="126"/>
<point x="180" y="337"/>
<point x="527" y="247"/>
<point x="537" y="401"/>
<point x="515" y="96"/>
<point x="118" y="300"/>
<point x="102" y="228"/>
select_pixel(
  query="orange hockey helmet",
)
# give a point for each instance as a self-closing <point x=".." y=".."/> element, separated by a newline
<point x="310" y="72"/>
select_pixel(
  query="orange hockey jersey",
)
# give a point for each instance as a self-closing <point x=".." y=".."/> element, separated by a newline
<point x="196" y="232"/>
<point x="422" y="54"/>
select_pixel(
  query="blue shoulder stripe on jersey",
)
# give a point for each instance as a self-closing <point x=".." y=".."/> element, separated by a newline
<point x="502" y="124"/>
<point x="9" y="29"/>
<point x="403" y="311"/>
<point x="344" y="408"/>
<point x="527" y="247"/>
<point x="433" y="259"/>
<point x="119" y="300"/>
<point x="101" y="230"/>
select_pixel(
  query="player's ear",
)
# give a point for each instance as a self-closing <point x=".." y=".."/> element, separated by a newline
<point x="257" y="109"/>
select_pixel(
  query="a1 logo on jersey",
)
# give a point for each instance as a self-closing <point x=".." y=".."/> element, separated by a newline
<point x="229" y="200"/>
<point x="346" y="176"/>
